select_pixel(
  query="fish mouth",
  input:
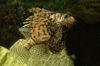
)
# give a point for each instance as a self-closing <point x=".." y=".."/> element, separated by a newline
<point x="70" y="21"/>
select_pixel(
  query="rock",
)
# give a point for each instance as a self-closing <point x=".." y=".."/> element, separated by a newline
<point x="39" y="55"/>
<point x="6" y="59"/>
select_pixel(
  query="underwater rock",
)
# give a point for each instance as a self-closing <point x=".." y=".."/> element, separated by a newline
<point x="40" y="55"/>
<point x="6" y="59"/>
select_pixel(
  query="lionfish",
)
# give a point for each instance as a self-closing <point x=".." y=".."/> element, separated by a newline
<point x="45" y="28"/>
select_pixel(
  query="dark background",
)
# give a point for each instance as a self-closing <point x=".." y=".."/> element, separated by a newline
<point x="83" y="39"/>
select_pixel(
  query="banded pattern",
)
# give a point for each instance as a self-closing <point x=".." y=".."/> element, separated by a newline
<point x="39" y="35"/>
<point x="47" y="28"/>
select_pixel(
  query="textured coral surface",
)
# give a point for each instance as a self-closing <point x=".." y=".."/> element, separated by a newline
<point x="39" y="56"/>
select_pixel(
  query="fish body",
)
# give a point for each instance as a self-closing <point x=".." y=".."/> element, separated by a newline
<point x="44" y="24"/>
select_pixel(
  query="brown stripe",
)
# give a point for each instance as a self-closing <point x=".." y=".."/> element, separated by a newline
<point x="44" y="31"/>
<point x="33" y="39"/>
<point x="38" y="27"/>
<point x="29" y="44"/>
<point x="39" y="34"/>
<point x="26" y="48"/>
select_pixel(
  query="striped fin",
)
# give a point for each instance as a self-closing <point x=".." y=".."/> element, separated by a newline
<point x="29" y="24"/>
<point x="29" y="44"/>
<point x="40" y="33"/>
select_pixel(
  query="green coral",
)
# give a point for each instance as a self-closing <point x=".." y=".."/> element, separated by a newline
<point x="39" y="55"/>
<point x="6" y="59"/>
<point x="45" y="59"/>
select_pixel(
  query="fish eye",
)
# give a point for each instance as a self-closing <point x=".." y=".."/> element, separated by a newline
<point x="66" y="16"/>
